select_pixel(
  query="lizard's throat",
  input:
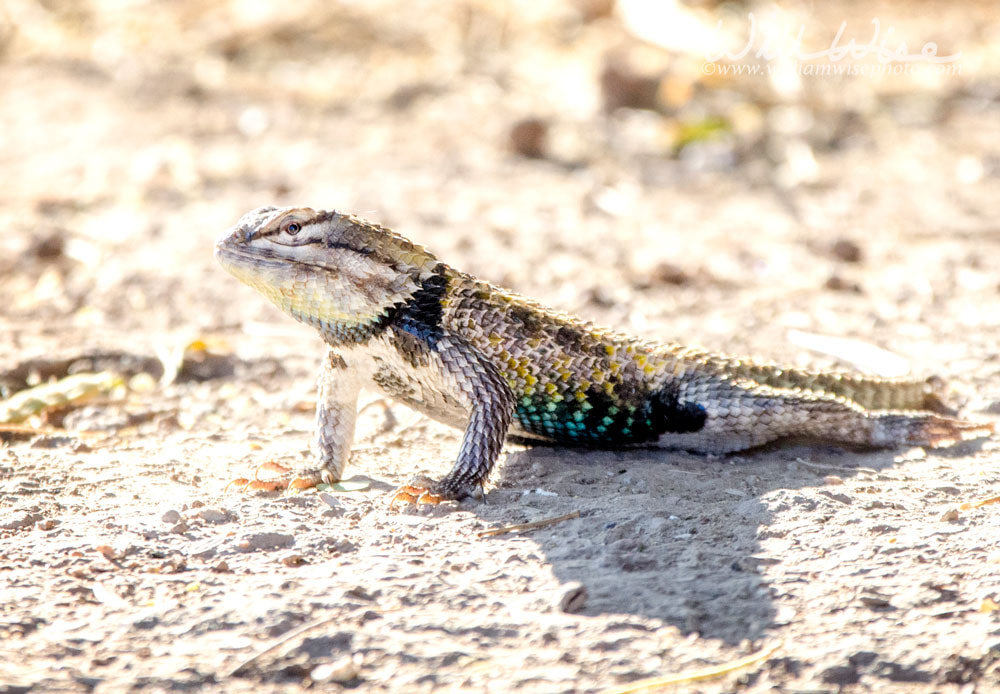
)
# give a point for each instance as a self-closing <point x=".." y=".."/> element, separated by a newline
<point x="340" y="309"/>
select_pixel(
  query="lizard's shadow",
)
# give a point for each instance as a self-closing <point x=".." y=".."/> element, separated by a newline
<point x="679" y="537"/>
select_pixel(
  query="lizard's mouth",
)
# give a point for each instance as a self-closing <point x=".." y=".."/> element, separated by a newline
<point x="231" y="252"/>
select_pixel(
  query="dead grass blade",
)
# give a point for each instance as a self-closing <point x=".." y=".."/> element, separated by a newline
<point x="523" y="527"/>
<point x="651" y="684"/>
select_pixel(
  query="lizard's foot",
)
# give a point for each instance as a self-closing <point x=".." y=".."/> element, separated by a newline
<point x="287" y="480"/>
<point x="420" y="490"/>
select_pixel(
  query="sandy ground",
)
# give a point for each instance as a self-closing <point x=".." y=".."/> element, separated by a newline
<point x="133" y="134"/>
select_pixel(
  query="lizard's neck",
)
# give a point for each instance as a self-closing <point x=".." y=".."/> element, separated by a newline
<point x="420" y="315"/>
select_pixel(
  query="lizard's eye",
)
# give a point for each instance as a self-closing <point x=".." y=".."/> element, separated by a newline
<point x="293" y="228"/>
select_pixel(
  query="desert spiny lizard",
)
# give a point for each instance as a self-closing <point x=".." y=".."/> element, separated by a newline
<point x="483" y="359"/>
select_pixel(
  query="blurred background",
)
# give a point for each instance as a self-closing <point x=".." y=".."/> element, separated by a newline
<point x="670" y="168"/>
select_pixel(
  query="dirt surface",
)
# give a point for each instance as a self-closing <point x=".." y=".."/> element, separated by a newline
<point x="545" y="147"/>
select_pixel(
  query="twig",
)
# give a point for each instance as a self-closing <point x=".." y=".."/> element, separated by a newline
<point x="280" y="642"/>
<point x="819" y="466"/>
<point x="981" y="502"/>
<point x="534" y="525"/>
<point x="653" y="683"/>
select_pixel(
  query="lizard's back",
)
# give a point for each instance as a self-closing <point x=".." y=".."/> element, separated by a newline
<point x="572" y="382"/>
<point x="579" y="384"/>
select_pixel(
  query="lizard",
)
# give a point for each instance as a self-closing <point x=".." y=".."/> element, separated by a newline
<point x="483" y="359"/>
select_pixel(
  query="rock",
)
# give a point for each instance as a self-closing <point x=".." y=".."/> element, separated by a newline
<point x="839" y="284"/>
<point x="343" y="670"/>
<point x="147" y="622"/>
<point x="847" y="251"/>
<point x="171" y="516"/>
<point x="17" y="521"/>
<point x="623" y="87"/>
<point x="572" y="597"/>
<point x="213" y="515"/>
<point x="528" y="137"/>
<point x="107" y="551"/>
<point x="840" y="674"/>
<point x="666" y="272"/>
<point x="875" y="599"/>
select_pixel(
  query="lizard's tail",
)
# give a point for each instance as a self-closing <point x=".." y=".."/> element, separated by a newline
<point x="871" y="393"/>
<point x="867" y="392"/>
<point x="914" y="429"/>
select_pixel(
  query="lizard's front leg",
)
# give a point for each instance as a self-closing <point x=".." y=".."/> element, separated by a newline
<point x="336" y="414"/>
<point x="477" y="383"/>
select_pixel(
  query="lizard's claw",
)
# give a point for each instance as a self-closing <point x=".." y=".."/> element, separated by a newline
<point x="408" y="494"/>
<point x="419" y="491"/>
<point x="286" y="481"/>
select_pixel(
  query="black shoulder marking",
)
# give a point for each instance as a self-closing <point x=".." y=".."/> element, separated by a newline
<point x="420" y="317"/>
<point x="667" y="415"/>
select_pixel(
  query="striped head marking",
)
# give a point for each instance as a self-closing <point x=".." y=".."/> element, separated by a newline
<point x="330" y="270"/>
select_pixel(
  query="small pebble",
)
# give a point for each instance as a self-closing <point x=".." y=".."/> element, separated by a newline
<point x="107" y="551"/>
<point x="668" y="273"/>
<point x="294" y="560"/>
<point x="846" y="250"/>
<point x="221" y="568"/>
<point x="950" y="516"/>
<point x="875" y="599"/>
<point x="832" y="480"/>
<point x="623" y="87"/>
<point x="839" y="284"/>
<point x="343" y="670"/>
<point x="213" y="515"/>
<point x="527" y="137"/>
<point x="572" y="597"/>
<point x="171" y="516"/>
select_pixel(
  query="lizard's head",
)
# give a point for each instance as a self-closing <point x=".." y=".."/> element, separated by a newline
<point x="330" y="270"/>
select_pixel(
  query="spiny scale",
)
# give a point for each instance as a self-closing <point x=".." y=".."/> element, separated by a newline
<point x="474" y="355"/>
